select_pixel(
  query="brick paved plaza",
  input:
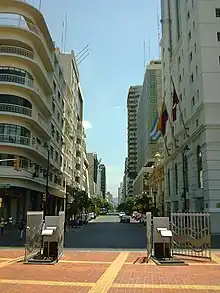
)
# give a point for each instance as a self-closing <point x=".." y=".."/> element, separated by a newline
<point x="102" y="272"/>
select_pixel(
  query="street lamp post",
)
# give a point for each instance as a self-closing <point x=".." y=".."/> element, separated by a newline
<point x="186" y="148"/>
<point x="45" y="206"/>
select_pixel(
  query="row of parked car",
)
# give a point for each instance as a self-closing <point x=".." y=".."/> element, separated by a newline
<point x="126" y="218"/>
<point x="82" y="219"/>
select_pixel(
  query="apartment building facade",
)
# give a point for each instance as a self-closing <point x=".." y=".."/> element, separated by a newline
<point x="132" y="106"/>
<point x="93" y="173"/>
<point x="102" y="181"/>
<point x="75" y="160"/>
<point x="190" y="54"/>
<point x="32" y="93"/>
<point x="149" y="103"/>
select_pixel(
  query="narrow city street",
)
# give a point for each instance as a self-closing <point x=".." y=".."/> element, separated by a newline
<point x="103" y="257"/>
<point x="106" y="232"/>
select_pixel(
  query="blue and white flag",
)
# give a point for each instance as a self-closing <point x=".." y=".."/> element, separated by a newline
<point x="155" y="134"/>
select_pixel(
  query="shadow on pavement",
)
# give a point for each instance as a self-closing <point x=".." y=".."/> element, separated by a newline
<point x="108" y="235"/>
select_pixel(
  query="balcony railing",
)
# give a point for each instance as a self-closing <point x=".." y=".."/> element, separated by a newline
<point x="15" y="109"/>
<point x="19" y="22"/>
<point x="16" y="51"/>
<point x="11" y="78"/>
<point x="16" y="139"/>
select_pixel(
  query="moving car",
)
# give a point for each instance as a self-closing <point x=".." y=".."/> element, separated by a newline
<point x="125" y="219"/>
<point x="121" y="214"/>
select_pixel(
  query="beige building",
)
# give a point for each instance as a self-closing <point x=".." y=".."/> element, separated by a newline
<point x="132" y="106"/>
<point x="93" y="173"/>
<point x="76" y="163"/>
<point x="35" y="120"/>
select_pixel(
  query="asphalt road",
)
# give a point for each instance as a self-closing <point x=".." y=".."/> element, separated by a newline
<point x="107" y="233"/>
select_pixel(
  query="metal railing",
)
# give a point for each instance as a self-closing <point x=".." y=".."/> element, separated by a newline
<point x="19" y="22"/>
<point x="19" y="80"/>
<point x="16" y="51"/>
<point x="17" y="139"/>
<point x="15" y="109"/>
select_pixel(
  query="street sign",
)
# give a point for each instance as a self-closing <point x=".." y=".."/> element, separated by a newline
<point x="2" y="185"/>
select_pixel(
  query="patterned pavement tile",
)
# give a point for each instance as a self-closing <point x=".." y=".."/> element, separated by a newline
<point x="155" y="290"/>
<point x="133" y="256"/>
<point x="189" y="275"/>
<point x="11" y="253"/>
<point x="17" y="288"/>
<point x="60" y="272"/>
<point x="90" y="256"/>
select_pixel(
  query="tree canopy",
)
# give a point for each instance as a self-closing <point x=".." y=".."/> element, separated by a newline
<point x="141" y="203"/>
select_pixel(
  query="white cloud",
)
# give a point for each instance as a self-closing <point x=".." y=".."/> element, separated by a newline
<point x="117" y="107"/>
<point x="87" y="124"/>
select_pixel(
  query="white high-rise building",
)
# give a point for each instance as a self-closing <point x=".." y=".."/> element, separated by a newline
<point x="190" y="54"/>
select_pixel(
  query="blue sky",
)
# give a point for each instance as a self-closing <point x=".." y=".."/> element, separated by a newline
<point x="115" y="31"/>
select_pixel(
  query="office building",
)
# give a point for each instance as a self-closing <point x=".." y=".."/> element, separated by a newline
<point x="132" y="105"/>
<point x="190" y="54"/>
<point x="149" y="103"/>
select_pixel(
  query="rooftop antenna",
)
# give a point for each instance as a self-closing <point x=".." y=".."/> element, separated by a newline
<point x="82" y="55"/>
<point x="149" y="51"/>
<point x="40" y="3"/>
<point x="65" y="32"/>
<point x="62" y="39"/>
<point x="158" y="32"/>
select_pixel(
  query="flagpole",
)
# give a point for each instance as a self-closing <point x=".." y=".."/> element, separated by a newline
<point x="172" y="130"/>
<point x="165" y="143"/>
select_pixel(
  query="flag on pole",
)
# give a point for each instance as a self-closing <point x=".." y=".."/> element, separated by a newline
<point x="155" y="133"/>
<point x="161" y="125"/>
<point x="175" y="102"/>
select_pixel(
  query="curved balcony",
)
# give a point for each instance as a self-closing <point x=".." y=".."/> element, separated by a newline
<point x="15" y="109"/>
<point x="13" y="22"/>
<point x="6" y="49"/>
<point x="31" y="61"/>
<point x="28" y="84"/>
<point x="15" y="139"/>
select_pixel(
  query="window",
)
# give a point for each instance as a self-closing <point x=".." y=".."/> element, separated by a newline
<point x="193" y="101"/>
<point x="189" y="35"/>
<point x="197" y="122"/>
<point x="186" y="173"/>
<point x="168" y="183"/>
<point x="190" y="56"/>
<point x="195" y="48"/>
<point x="10" y="133"/>
<point x="178" y="18"/>
<point x="197" y="94"/>
<point x="196" y="70"/>
<point x="194" y="25"/>
<point x="176" y="178"/>
<point x="56" y="156"/>
<point x="54" y="87"/>
<point x="218" y="36"/>
<point x="59" y="96"/>
<point x="51" y="151"/>
<point x="199" y="166"/>
<point x="219" y="60"/>
<point x="217" y="12"/>
<point x="191" y="78"/>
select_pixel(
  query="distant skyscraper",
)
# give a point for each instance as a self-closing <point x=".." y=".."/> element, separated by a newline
<point x="132" y="105"/>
